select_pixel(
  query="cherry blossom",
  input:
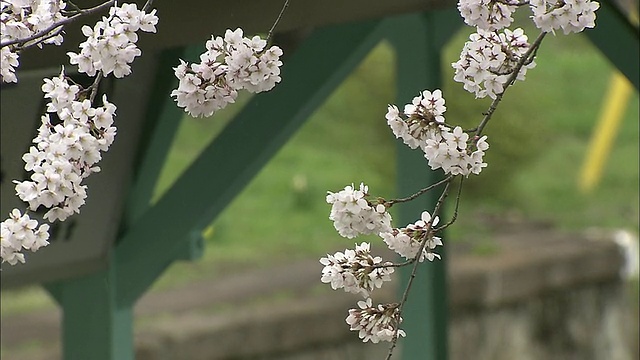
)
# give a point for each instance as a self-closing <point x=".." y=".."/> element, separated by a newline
<point x="21" y="20"/>
<point x="375" y="324"/>
<point x="20" y="232"/>
<point x="424" y="127"/>
<point x="353" y="215"/>
<point x="488" y="15"/>
<point x="230" y="64"/>
<point x="356" y="271"/>
<point x="572" y="16"/>
<point x="110" y="45"/>
<point x="488" y="59"/>
<point x="406" y="242"/>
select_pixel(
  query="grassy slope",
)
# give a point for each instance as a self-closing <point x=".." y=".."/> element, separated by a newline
<point x="539" y="138"/>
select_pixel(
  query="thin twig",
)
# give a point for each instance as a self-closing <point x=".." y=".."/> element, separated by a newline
<point x="405" y="295"/>
<point x="395" y="265"/>
<point x="494" y="105"/>
<point x="73" y="5"/>
<point x="420" y="192"/>
<point x="147" y="6"/>
<point x="58" y="24"/>
<point x="514" y="3"/>
<point x="455" y="211"/>
<point x="273" y="27"/>
<point x="94" y="86"/>
<point x="53" y="33"/>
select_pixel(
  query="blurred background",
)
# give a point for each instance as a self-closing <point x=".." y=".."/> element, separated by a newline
<point x="540" y="139"/>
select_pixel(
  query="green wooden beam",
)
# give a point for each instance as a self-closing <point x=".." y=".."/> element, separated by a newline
<point x="418" y="41"/>
<point x="618" y="39"/>
<point x="187" y="21"/>
<point x="161" y="124"/>
<point x="238" y="153"/>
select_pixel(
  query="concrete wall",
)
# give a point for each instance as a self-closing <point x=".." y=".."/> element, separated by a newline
<point x="531" y="294"/>
<point x="540" y="295"/>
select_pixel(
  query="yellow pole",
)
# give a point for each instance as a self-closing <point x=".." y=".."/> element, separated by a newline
<point x="605" y="132"/>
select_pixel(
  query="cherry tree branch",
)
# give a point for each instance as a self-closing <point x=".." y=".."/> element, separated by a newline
<point x="455" y="210"/>
<point x="45" y="33"/>
<point x="526" y="58"/>
<point x="423" y="243"/>
<point x="420" y="192"/>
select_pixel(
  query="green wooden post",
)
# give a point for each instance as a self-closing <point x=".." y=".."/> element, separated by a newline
<point x="95" y="324"/>
<point x="418" y="41"/>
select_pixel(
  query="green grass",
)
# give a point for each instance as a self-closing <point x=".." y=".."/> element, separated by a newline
<point x="538" y="139"/>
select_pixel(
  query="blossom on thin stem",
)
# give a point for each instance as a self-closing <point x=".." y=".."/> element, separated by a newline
<point x="488" y="15"/>
<point x="407" y="241"/>
<point x="375" y="323"/>
<point x="488" y="59"/>
<point x="424" y="127"/>
<point x="424" y="118"/>
<point x="353" y="215"/>
<point x="572" y="16"/>
<point x="19" y="232"/>
<point x="230" y="64"/>
<point x="356" y="271"/>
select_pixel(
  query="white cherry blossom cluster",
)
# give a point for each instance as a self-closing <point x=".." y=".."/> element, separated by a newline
<point x="375" y="323"/>
<point x="424" y="127"/>
<point x="353" y="215"/>
<point x="111" y="43"/>
<point x="74" y="132"/>
<point x="488" y="59"/>
<point x="21" y="19"/>
<point x="425" y="115"/>
<point x="488" y="15"/>
<point x="407" y="241"/>
<point x="64" y="154"/>
<point x="355" y="271"/>
<point x="18" y="233"/>
<point x="230" y="64"/>
<point x="572" y="16"/>
<point x="450" y="150"/>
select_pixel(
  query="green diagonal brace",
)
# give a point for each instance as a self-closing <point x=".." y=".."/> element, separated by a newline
<point x="618" y="40"/>
<point x="161" y="125"/>
<point x="418" y="41"/>
<point x="321" y="63"/>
